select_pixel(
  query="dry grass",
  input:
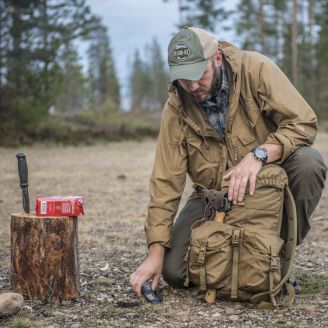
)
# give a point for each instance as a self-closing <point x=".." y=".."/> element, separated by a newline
<point x="113" y="178"/>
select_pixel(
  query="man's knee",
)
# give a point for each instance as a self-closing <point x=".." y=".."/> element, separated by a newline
<point x="306" y="163"/>
<point x="173" y="271"/>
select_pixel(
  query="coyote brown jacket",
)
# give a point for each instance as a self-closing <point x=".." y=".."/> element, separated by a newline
<point x="264" y="107"/>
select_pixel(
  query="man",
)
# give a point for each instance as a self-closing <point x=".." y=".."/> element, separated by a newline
<point x="227" y="109"/>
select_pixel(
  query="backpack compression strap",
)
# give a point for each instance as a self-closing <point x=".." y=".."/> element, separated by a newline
<point x="288" y="258"/>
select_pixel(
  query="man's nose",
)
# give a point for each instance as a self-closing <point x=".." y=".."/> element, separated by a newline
<point x="193" y="85"/>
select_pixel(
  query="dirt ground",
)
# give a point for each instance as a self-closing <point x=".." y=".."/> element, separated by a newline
<point x="113" y="178"/>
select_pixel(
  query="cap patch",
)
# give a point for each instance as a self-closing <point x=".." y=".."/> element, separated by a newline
<point x="181" y="52"/>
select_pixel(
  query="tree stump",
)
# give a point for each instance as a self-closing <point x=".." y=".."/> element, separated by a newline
<point x="44" y="257"/>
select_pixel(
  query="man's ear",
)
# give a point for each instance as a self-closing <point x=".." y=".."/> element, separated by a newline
<point x="218" y="58"/>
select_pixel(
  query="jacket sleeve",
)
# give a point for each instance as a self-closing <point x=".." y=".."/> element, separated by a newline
<point x="296" y="123"/>
<point x="167" y="180"/>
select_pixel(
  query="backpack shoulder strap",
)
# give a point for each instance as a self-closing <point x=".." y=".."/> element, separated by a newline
<point x="288" y="255"/>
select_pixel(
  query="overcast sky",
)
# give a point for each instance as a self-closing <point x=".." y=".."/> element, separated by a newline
<point x="132" y="24"/>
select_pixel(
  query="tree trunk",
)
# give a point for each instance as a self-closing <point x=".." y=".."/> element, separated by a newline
<point x="261" y="28"/>
<point x="312" y="53"/>
<point x="44" y="257"/>
<point x="294" y="44"/>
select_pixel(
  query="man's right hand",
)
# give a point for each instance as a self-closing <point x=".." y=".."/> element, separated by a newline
<point x="151" y="268"/>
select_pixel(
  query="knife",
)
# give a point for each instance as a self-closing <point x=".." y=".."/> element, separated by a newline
<point x="23" y="179"/>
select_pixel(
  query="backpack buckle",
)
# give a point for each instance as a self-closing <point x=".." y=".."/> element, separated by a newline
<point x="202" y="252"/>
<point x="274" y="264"/>
<point x="235" y="238"/>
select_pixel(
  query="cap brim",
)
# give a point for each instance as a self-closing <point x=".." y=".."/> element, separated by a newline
<point x="191" y="72"/>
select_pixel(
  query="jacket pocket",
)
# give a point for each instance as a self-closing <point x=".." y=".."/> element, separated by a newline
<point x="245" y="142"/>
<point x="198" y="150"/>
<point x="246" y="139"/>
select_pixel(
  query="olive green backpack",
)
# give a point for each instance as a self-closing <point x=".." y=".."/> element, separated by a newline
<point x="244" y="258"/>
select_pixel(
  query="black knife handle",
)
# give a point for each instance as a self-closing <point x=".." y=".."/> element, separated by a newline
<point x="150" y="295"/>
<point x="22" y="170"/>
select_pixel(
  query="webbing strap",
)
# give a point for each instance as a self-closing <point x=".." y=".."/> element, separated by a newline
<point x="202" y="252"/>
<point x="235" y="263"/>
<point x="290" y="294"/>
<point x="186" y="259"/>
<point x="202" y="278"/>
<point x="201" y="261"/>
<point x="270" y="280"/>
<point x="273" y="267"/>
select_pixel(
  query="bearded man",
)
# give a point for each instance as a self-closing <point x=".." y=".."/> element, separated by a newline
<point x="227" y="109"/>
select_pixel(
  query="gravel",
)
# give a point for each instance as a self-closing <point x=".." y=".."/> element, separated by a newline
<point x="113" y="178"/>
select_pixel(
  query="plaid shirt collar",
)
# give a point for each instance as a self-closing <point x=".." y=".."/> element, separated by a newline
<point x="216" y="108"/>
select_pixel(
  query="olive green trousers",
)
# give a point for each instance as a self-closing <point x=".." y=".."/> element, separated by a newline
<point x="306" y="172"/>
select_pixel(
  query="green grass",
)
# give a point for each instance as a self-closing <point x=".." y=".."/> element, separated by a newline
<point x="313" y="284"/>
<point x="21" y="323"/>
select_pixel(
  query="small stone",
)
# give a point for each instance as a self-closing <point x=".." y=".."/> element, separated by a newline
<point x="10" y="303"/>
<point x="58" y="314"/>
<point x="230" y="311"/>
<point x="238" y="306"/>
<point x="75" y="325"/>
<point x="289" y="324"/>
<point x="216" y="315"/>
<point x="233" y="317"/>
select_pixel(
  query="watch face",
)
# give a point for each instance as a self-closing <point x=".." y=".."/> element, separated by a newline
<point x="260" y="153"/>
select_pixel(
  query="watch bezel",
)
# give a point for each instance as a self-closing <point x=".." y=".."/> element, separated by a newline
<point x="258" y="156"/>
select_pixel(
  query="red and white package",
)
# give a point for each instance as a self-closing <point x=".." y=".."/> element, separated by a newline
<point x="59" y="206"/>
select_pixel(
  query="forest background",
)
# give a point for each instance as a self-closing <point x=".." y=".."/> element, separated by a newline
<point x="51" y="91"/>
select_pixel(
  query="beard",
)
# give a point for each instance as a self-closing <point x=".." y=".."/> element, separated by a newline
<point x="203" y="94"/>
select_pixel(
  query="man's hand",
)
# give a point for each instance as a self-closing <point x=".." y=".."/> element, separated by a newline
<point x="246" y="172"/>
<point x="151" y="268"/>
<point x="243" y="173"/>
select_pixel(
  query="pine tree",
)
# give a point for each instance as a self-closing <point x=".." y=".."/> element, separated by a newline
<point x="322" y="61"/>
<point x="104" y="85"/>
<point x="38" y="31"/>
<point x="158" y="76"/>
<point x="71" y="90"/>
<point x="247" y="25"/>
<point x="207" y="14"/>
<point x="139" y="84"/>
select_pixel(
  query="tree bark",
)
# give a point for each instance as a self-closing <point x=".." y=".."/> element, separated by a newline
<point x="44" y="257"/>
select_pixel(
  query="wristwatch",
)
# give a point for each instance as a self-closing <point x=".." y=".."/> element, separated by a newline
<point x="260" y="153"/>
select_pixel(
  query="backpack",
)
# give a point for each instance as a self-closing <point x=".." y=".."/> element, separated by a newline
<point x="244" y="258"/>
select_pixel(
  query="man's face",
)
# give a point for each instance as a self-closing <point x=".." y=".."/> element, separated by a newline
<point x="204" y="88"/>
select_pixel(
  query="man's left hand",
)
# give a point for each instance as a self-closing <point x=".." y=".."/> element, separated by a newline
<point x="243" y="173"/>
